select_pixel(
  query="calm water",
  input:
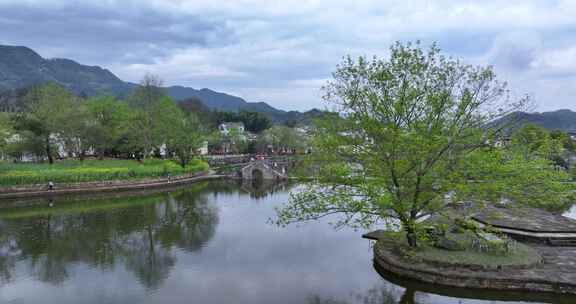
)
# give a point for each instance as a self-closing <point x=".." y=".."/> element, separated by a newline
<point x="207" y="243"/>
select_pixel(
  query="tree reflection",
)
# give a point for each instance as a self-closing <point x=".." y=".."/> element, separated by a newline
<point x="141" y="236"/>
<point x="375" y="295"/>
<point x="7" y="253"/>
<point x="261" y="188"/>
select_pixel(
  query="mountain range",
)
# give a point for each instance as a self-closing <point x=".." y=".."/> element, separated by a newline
<point x="21" y="67"/>
<point x="564" y="120"/>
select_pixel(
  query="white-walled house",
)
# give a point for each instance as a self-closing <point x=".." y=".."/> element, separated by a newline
<point x="226" y="128"/>
<point x="572" y="134"/>
<point x="203" y="150"/>
<point x="28" y="156"/>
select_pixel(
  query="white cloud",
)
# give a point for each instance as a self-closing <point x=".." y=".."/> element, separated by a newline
<point x="274" y="51"/>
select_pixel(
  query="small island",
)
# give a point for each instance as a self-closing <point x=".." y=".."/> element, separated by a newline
<point x="504" y="248"/>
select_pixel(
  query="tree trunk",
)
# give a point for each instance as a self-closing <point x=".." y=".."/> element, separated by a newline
<point x="411" y="235"/>
<point x="183" y="161"/>
<point x="49" y="150"/>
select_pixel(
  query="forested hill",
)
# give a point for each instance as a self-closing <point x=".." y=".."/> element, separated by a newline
<point x="564" y="120"/>
<point x="21" y="67"/>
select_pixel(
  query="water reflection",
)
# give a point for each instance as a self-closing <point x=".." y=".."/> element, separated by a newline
<point x="376" y="295"/>
<point x="261" y="188"/>
<point x="207" y="243"/>
<point x="141" y="237"/>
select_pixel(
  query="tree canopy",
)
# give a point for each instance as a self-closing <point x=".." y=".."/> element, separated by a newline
<point x="414" y="135"/>
<point x="56" y="122"/>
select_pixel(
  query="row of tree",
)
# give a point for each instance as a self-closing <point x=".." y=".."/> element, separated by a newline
<point x="147" y="123"/>
<point x="534" y="141"/>
<point x="53" y="122"/>
<point x="278" y="139"/>
<point x="254" y="122"/>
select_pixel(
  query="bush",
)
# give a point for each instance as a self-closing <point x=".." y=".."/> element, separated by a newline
<point x="449" y="244"/>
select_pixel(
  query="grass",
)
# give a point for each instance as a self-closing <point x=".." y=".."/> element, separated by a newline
<point x="74" y="171"/>
<point x="523" y="255"/>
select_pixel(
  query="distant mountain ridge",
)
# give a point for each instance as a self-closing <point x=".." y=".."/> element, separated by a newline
<point x="21" y="67"/>
<point x="564" y="120"/>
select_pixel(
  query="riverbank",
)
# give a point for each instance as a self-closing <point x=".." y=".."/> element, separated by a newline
<point x="14" y="175"/>
<point x="107" y="186"/>
<point x="556" y="273"/>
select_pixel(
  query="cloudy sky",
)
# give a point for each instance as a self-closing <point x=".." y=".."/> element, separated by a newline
<point x="281" y="52"/>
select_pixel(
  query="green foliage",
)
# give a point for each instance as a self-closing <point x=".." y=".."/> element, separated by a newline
<point x="148" y="116"/>
<point x="534" y="141"/>
<point x="413" y="131"/>
<point x="426" y="252"/>
<point x="508" y="174"/>
<point x="50" y="109"/>
<point x="467" y="224"/>
<point x="108" y="122"/>
<point x="6" y="132"/>
<point x="186" y="137"/>
<point x="71" y="171"/>
<point x="282" y="139"/>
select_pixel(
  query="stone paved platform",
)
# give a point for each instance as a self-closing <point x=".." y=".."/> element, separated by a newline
<point x="526" y="219"/>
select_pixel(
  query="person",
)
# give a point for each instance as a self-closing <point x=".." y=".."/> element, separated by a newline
<point x="50" y="186"/>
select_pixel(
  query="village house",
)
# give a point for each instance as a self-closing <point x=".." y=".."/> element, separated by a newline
<point x="572" y="134"/>
<point x="226" y="128"/>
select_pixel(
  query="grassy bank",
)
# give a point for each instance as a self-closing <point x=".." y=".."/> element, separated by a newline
<point x="523" y="255"/>
<point x="74" y="171"/>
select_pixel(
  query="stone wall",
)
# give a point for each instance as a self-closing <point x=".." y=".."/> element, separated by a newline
<point x="104" y="186"/>
<point x="518" y="280"/>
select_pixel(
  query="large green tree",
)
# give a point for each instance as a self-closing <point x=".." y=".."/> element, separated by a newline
<point x="108" y="119"/>
<point x="5" y="131"/>
<point x="182" y="133"/>
<point x="414" y="132"/>
<point x="49" y="115"/>
<point x="145" y="101"/>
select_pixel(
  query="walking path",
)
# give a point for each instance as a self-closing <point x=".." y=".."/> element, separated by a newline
<point x="107" y="186"/>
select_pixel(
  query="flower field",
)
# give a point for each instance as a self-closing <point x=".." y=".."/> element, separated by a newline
<point x="73" y="171"/>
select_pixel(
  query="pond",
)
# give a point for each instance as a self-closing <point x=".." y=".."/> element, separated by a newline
<point x="205" y="243"/>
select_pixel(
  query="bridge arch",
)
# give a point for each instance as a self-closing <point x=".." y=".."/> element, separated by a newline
<point x="261" y="169"/>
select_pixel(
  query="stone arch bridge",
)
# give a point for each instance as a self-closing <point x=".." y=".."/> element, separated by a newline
<point x="263" y="169"/>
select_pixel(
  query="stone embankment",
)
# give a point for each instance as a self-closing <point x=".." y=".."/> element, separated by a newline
<point x="556" y="274"/>
<point x="102" y="186"/>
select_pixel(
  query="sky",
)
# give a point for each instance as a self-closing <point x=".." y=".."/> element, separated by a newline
<point x="282" y="52"/>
